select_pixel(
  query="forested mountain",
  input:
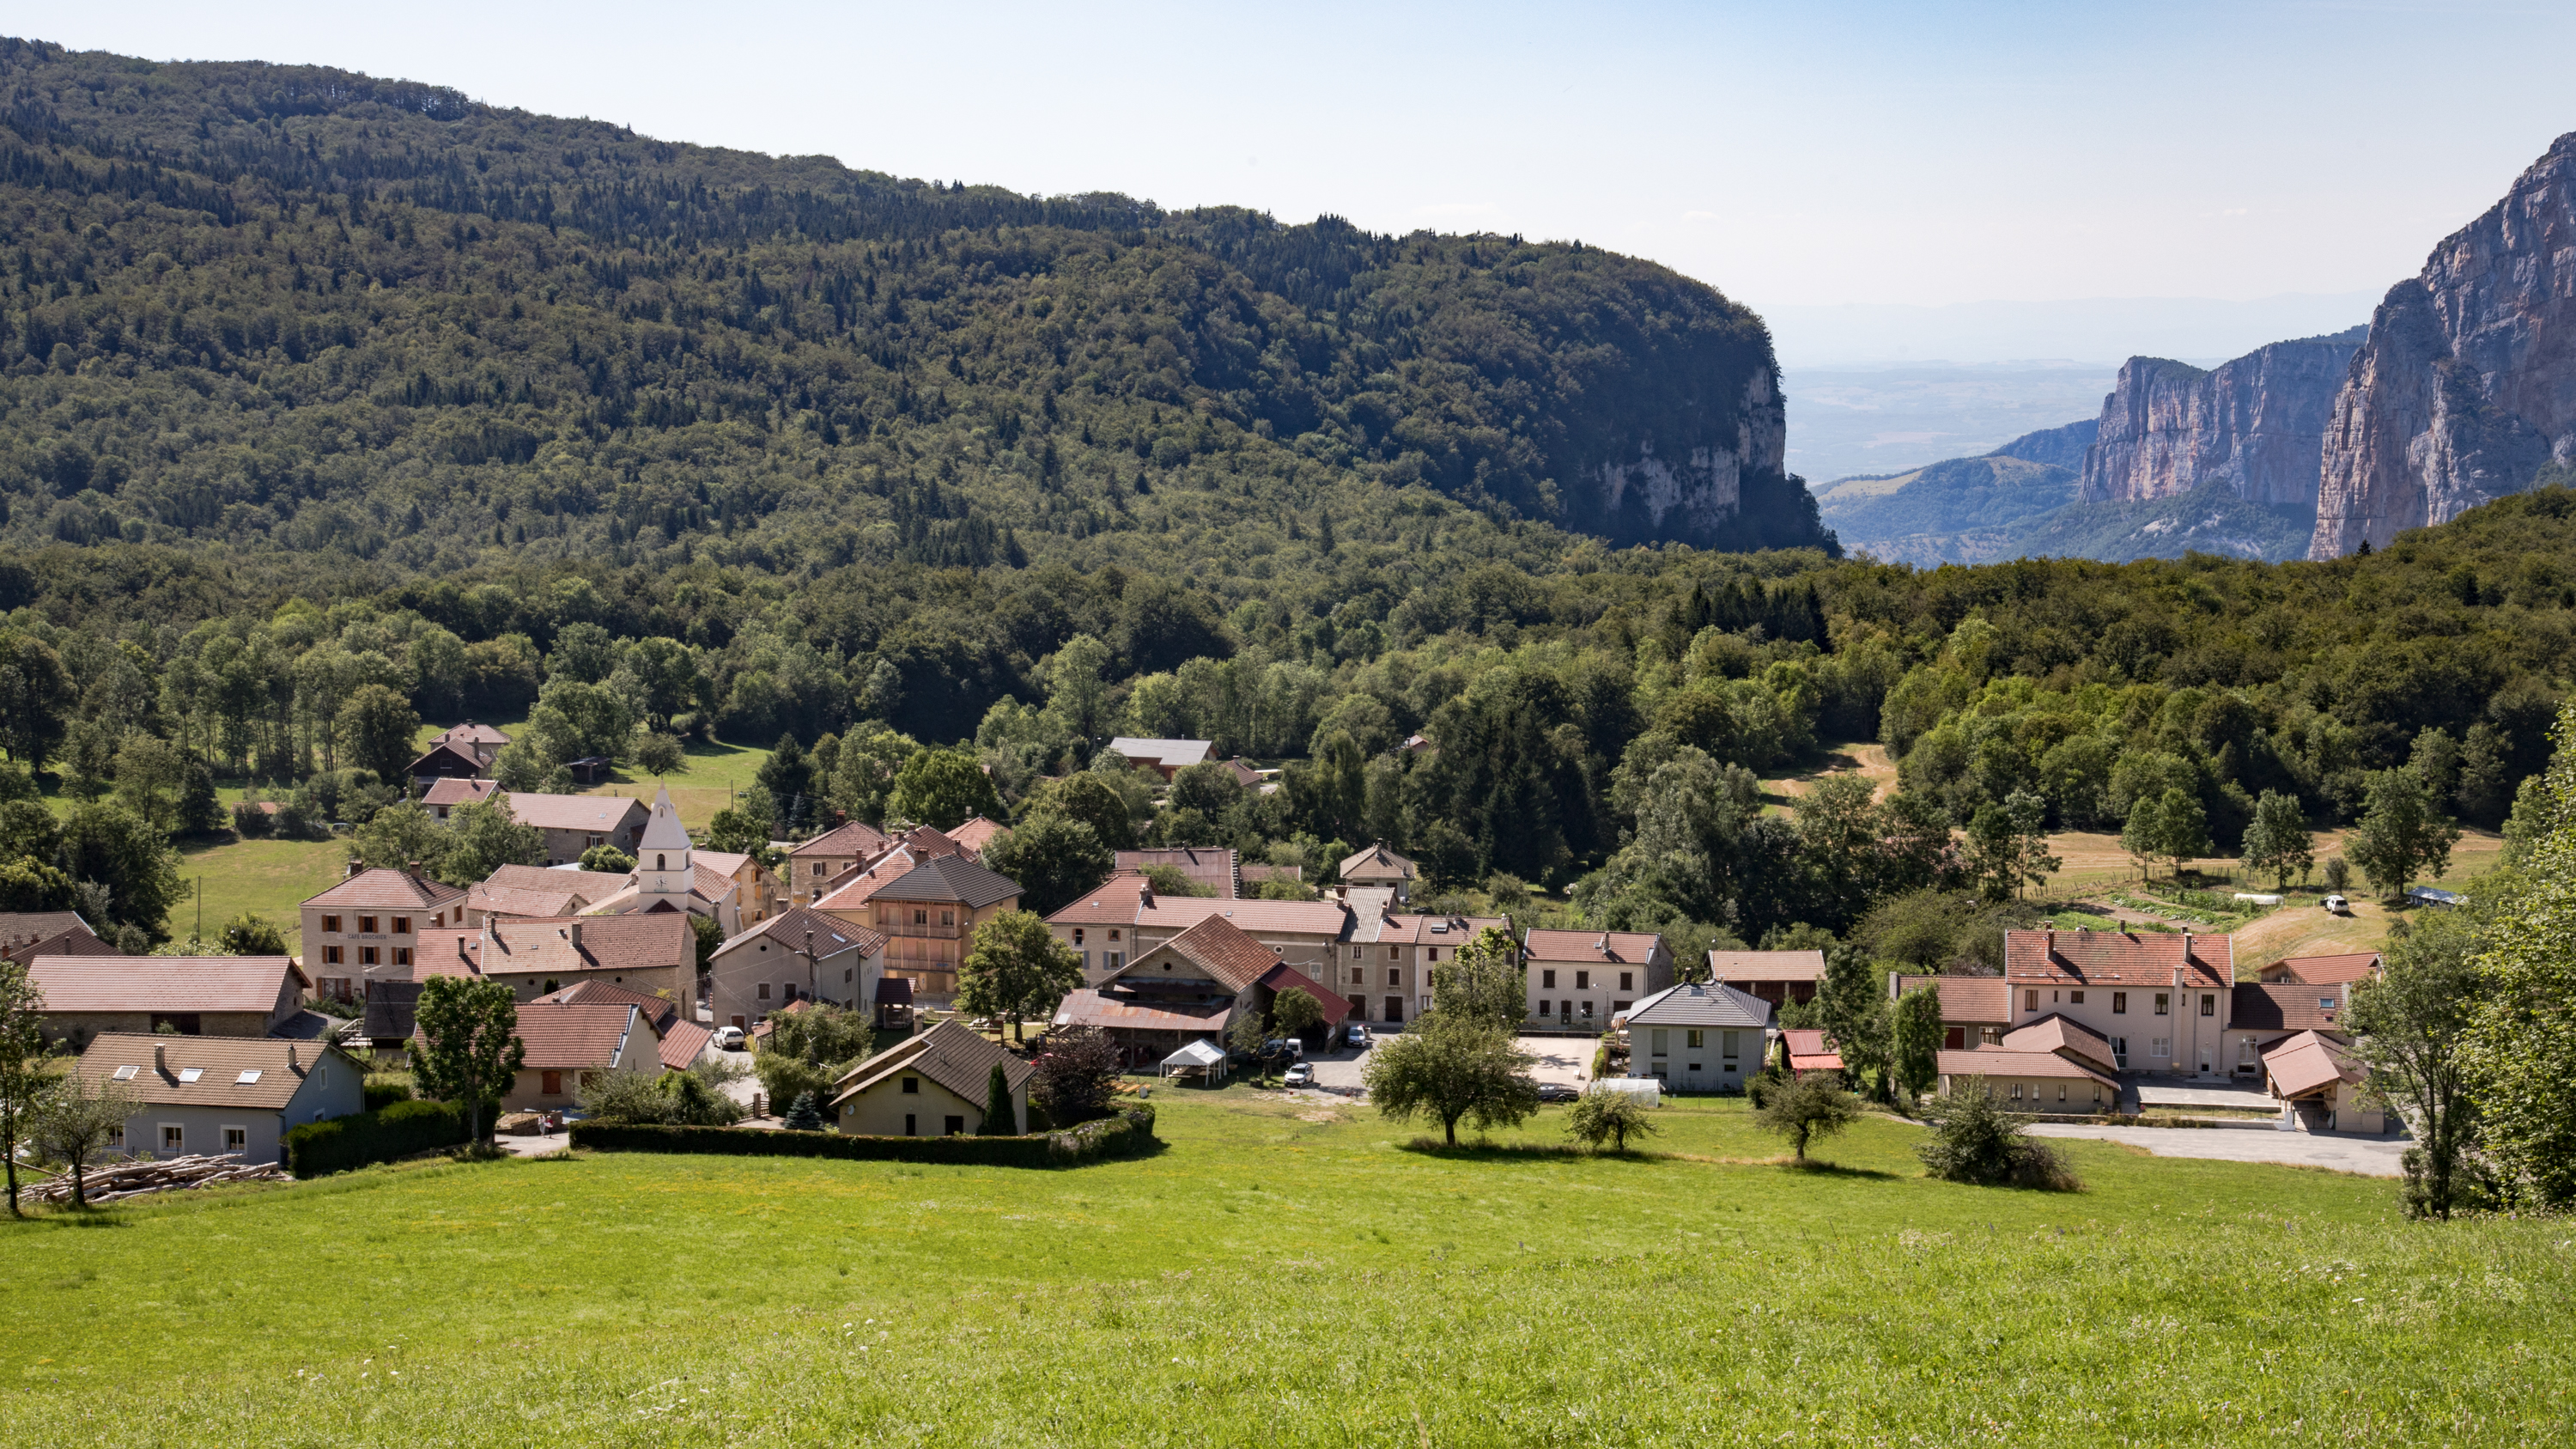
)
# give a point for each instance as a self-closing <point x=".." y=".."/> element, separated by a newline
<point x="331" y="404"/>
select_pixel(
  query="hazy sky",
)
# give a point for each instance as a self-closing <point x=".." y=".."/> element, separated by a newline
<point x="1791" y="154"/>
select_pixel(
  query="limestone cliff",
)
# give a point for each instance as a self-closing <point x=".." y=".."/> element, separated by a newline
<point x="2254" y="424"/>
<point x="1694" y="492"/>
<point x="2467" y="385"/>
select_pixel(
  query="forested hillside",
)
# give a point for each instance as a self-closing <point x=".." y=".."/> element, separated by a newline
<point x="331" y="405"/>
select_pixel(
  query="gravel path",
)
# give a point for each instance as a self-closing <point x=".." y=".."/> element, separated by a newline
<point x="2377" y="1156"/>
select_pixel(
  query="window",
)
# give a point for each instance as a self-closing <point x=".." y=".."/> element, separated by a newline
<point x="1390" y="953"/>
<point x="1542" y="1006"/>
<point x="1431" y="955"/>
<point x="846" y="977"/>
<point x="331" y="955"/>
<point x="763" y="992"/>
<point x="1394" y="977"/>
<point x="331" y="923"/>
<point x="2016" y="1091"/>
<point x="2061" y="1091"/>
<point x="921" y="918"/>
<point x="1662" y="1041"/>
<point x="2209" y="1006"/>
<point x="127" y="1074"/>
<point x="2325" y="1003"/>
<point x="1113" y="959"/>
<point x="116" y="1137"/>
<point x="1113" y="933"/>
<point x="660" y="863"/>
<point x="2160" y="1048"/>
<point x="366" y="925"/>
<point x="1582" y="980"/>
<point x="1077" y="935"/>
<point x="1627" y="980"/>
<point x="912" y="1086"/>
<point x="2164" y="1003"/>
<point x="1587" y="1011"/>
<point x="249" y="1077"/>
<point x="2029" y="1002"/>
<point x="2075" y="998"/>
<point x="1359" y="976"/>
<point x="818" y="867"/>
<point x="402" y="955"/>
<point x="1694" y="1039"/>
<point x="174" y="1139"/>
<point x="956" y="1127"/>
<point x="402" y="925"/>
<point x="948" y="918"/>
<point x="192" y="1074"/>
<point x="1547" y="979"/>
<point x="2119" y="1003"/>
<point x="1726" y="1045"/>
<point x="366" y="955"/>
<point x="550" y="1083"/>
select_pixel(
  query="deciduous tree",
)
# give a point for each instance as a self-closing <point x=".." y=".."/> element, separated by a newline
<point x="1807" y="1109"/>
<point x="75" y="1120"/>
<point x="1918" y="1039"/>
<point x="1015" y="968"/>
<point x="2401" y="837"/>
<point x="2410" y="1023"/>
<point x="467" y="1048"/>
<point x="2277" y="843"/>
<point x="25" y="1079"/>
<point x="1450" y="1070"/>
<point x="1605" y="1114"/>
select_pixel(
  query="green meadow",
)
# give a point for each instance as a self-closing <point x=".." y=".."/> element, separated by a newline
<point x="1285" y="1273"/>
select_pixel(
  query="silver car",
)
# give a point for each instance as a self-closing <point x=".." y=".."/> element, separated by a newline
<point x="1301" y="1075"/>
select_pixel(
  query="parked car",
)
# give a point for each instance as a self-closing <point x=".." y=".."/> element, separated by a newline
<point x="2337" y="905"/>
<point x="1557" y="1092"/>
<point x="1357" y="1035"/>
<point x="729" y="1038"/>
<point x="1301" y="1075"/>
<point x="1289" y="1047"/>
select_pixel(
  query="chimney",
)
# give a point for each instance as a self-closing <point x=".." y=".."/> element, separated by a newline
<point x="572" y="933"/>
<point x="2051" y="952"/>
<point x="412" y="868"/>
<point x="2186" y="945"/>
<point x="356" y="866"/>
<point x="294" y="1058"/>
<point x="161" y="1059"/>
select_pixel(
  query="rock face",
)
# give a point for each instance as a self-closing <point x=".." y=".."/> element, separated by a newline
<point x="1696" y="495"/>
<point x="2062" y="447"/>
<point x="2254" y="424"/>
<point x="2467" y="386"/>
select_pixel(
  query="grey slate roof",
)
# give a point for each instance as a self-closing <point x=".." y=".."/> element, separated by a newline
<point x="1700" y="1004"/>
<point x="950" y="878"/>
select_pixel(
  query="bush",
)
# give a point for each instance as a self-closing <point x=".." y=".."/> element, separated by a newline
<point x="252" y="821"/>
<point x="384" y="1093"/>
<point x="1129" y="1131"/>
<point x="673" y="1099"/>
<point x="607" y="860"/>
<point x="398" y="1130"/>
<point x="1975" y="1140"/>
<point x="660" y="754"/>
<point x="1077" y="1072"/>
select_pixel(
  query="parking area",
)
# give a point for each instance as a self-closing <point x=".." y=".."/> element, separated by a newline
<point x="1566" y="1059"/>
<point x="2345" y="1152"/>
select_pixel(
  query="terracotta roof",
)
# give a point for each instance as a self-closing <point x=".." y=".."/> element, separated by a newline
<point x="600" y="814"/>
<point x="166" y="983"/>
<point x="1378" y="863"/>
<point x="1767" y="965"/>
<point x="386" y="890"/>
<point x="2118" y="958"/>
<point x="503" y="901"/>
<point x="27" y="928"/>
<point x="77" y="941"/>
<point x="1414" y="930"/>
<point x="443" y="750"/>
<point x="949" y="878"/>
<point x="974" y="833"/>
<point x="1809" y="1052"/>
<point x="582" y="1035"/>
<point x="1996" y="1061"/>
<point x="949" y="1054"/>
<point x="1623" y="948"/>
<point x="642" y="941"/>
<point x="857" y="838"/>
<point x="1284" y="977"/>
<point x="470" y="733"/>
<point x="2325" y="970"/>
<point x="219" y="1061"/>
<point x="450" y="790"/>
<point x="2287" y="1006"/>
<point x="595" y="884"/>
<point x="1170" y="754"/>
<point x="1113" y="902"/>
<point x="1968" y="1000"/>
<point x="2056" y="1033"/>
<point x="1145" y="1013"/>
<point x="663" y="1012"/>
<point x="1253" y="870"/>
<point x="683" y="1042"/>
<point x="1202" y="865"/>
<point x="1292" y="918"/>
<point x="2308" y="1062"/>
<point x="831" y="934"/>
<point x="1710" y="1003"/>
<point x="854" y="887"/>
<point x="1220" y="948"/>
<point x="451" y="951"/>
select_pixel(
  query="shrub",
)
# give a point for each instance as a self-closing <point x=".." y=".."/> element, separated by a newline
<point x="1131" y="1130"/>
<point x="607" y="860"/>
<point x="383" y="1093"/>
<point x="1975" y="1140"/>
<point x="398" y="1130"/>
<point x="252" y="821"/>
<point x="661" y="754"/>
<point x="1606" y="1115"/>
<point x="675" y="1098"/>
<point x="1077" y="1070"/>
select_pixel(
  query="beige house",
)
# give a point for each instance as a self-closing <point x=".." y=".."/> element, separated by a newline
<point x="1379" y="866"/>
<point x="571" y="824"/>
<point x="931" y="1085"/>
<point x="1778" y="977"/>
<point x="812" y="866"/>
<point x="797" y="955"/>
<point x="2030" y="1081"/>
<point x="1702" y="1037"/>
<point x="233" y="1096"/>
<point x="652" y="954"/>
<point x="1386" y="967"/>
<point x="1582" y="979"/>
<point x="368" y="925"/>
<point x="2162" y="1000"/>
<point x="565" y="1043"/>
<point x="927" y="918"/>
<point x="1975" y="1010"/>
<point x="228" y="996"/>
<point x="2316" y="1076"/>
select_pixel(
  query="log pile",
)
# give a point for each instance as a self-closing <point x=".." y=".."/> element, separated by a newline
<point x="117" y="1180"/>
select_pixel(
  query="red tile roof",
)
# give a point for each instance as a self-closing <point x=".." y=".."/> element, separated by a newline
<point x="857" y="838"/>
<point x="2286" y="1006"/>
<point x="451" y="790"/>
<point x="1284" y="977"/>
<point x="1997" y="1061"/>
<point x="166" y="983"/>
<point x="580" y="1035"/>
<point x="2308" y="1062"/>
<point x="1624" y="947"/>
<point x="2055" y="1033"/>
<point x="1200" y="865"/>
<point x="1220" y="948"/>
<point x="76" y="941"/>
<point x="1378" y="863"/>
<point x="599" y="814"/>
<point x="1741" y="966"/>
<point x="948" y="879"/>
<point x="1411" y="930"/>
<point x="1327" y="919"/>
<point x="1809" y="1052"/>
<point x="661" y="1010"/>
<point x="640" y="941"/>
<point x="21" y="929"/>
<point x="1967" y="1000"/>
<point x="683" y="1043"/>
<point x="1145" y="1013"/>
<point x="976" y="832"/>
<point x="1111" y="903"/>
<point x="455" y="951"/>
<point x="386" y="890"/>
<point x="2324" y="970"/>
<point x="2118" y="958"/>
<point x="831" y="934"/>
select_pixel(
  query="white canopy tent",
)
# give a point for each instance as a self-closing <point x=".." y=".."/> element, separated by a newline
<point x="1648" y="1091"/>
<point x="1198" y="1056"/>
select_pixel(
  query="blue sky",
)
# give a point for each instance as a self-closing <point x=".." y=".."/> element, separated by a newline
<point x="1796" y="156"/>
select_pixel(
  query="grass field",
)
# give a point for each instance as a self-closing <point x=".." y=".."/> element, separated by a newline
<point x="1287" y="1274"/>
<point x="266" y="877"/>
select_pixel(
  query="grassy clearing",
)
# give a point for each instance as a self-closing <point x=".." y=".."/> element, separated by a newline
<point x="271" y="878"/>
<point x="1288" y="1272"/>
<point x="715" y="771"/>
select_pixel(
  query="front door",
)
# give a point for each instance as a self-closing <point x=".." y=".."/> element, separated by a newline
<point x="1394" y="1009"/>
<point x="2120" y="1051"/>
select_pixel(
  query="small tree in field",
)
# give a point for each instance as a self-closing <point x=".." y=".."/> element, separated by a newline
<point x="1605" y="1114"/>
<point x="1450" y="1071"/>
<point x="2402" y="836"/>
<point x="76" y="1121"/>
<point x="1975" y="1140"/>
<point x="468" y="1048"/>
<point x="2278" y="843"/>
<point x="1808" y="1109"/>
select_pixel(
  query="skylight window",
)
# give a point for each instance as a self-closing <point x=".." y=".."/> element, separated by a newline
<point x="247" y="1077"/>
<point x="126" y="1074"/>
<point x="190" y="1074"/>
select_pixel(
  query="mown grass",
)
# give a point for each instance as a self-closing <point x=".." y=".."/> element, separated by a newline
<point x="270" y="878"/>
<point x="1284" y="1273"/>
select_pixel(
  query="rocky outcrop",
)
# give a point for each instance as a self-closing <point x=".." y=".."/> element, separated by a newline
<point x="2061" y="447"/>
<point x="1696" y="494"/>
<point x="2254" y="424"/>
<point x="2467" y="385"/>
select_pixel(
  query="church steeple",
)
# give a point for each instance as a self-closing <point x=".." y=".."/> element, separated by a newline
<point x="662" y="866"/>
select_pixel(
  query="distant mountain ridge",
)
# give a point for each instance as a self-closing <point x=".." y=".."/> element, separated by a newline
<point x="2253" y="423"/>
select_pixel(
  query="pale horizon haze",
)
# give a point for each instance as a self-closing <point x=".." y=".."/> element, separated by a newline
<point x="1860" y="173"/>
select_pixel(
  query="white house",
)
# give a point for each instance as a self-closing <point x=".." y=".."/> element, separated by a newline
<point x="1702" y="1037"/>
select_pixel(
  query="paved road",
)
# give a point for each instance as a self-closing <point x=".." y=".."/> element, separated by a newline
<point x="2377" y="1156"/>
<point x="1564" y="1059"/>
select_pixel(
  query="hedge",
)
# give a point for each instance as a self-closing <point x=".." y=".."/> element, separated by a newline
<point x="1129" y="1131"/>
<point x="381" y="1095"/>
<point x="395" y="1131"/>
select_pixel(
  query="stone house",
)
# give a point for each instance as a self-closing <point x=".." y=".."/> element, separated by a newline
<point x="1379" y="866"/>
<point x="799" y="954"/>
<point x="1582" y="979"/>
<point x="1191" y="987"/>
<point x="811" y="866"/>
<point x="653" y="954"/>
<point x="367" y="926"/>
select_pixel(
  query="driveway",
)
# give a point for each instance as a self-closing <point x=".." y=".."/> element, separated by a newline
<point x="2344" y="1152"/>
<point x="1557" y="1059"/>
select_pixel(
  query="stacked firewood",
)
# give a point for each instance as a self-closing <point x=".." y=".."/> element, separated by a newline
<point x="116" y="1180"/>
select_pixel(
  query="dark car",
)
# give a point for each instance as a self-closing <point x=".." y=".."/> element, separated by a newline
<point x="1556" y="1092"/>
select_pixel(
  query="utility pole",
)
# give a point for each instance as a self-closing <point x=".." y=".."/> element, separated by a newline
<point x="200" y="894"/>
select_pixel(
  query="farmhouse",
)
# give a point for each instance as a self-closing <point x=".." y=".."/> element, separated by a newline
<point x="564" y="1043"/>
<point x="927" y="916"/>
<point x="571" y="824"/>
<point x="1379" y="866"/>
<point x="237" y="1095"/>
<point x="820" y="860"/>
<point x="368" y="925"/>
<point x="536" y="890"/>
<point x="798" y="954"/>
<point x="1584" y="978"/>
<point x="931" y="1085"/>
<point x="1778" y="977"/>
<point x="1975" y="1010"/>
<point x="655" y="954"/>
<point x="1702" y="1037"/>
<point x="227" y="996"/>
<point x="2162" y="1000"/>
<point x="1189" y="988"/>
